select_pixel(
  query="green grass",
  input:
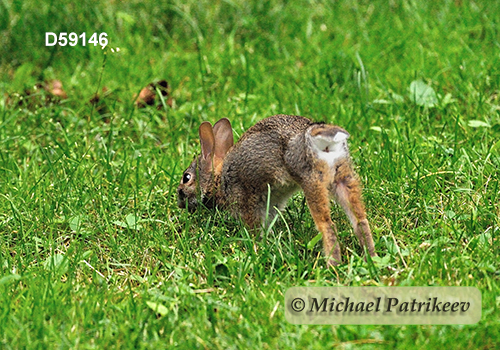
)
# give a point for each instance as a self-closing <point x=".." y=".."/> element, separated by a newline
<point x="94" y="253"/>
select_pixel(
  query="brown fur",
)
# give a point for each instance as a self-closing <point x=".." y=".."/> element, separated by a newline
<point x="279" y="152"/>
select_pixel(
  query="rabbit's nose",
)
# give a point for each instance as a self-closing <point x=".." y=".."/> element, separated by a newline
<point x="181" y="198"/>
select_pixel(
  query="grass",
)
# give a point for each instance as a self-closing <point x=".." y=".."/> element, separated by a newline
<point x="94" y="252"/>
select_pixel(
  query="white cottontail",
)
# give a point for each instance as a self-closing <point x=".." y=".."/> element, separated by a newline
<point x="288" y="153"/>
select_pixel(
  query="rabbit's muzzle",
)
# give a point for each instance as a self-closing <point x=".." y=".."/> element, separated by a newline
<point x="186" y="198"/>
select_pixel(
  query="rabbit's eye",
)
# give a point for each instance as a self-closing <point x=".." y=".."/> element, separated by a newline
<point x="186" y="177"/>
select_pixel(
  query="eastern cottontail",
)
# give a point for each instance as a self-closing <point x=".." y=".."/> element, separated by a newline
<point x="288" y="153"/>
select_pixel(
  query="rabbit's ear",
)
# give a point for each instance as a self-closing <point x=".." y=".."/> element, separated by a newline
<point x="224" y="140"/>
<point x="207" y="140"/>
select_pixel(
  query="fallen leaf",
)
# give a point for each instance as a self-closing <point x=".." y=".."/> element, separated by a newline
<point x="424" y="245"/>
<point x="422" y="94"/>
<point x="478" y="124"/>
<point x="157" y="307"/>
<point x="147" y="96"/>
<point x="41" y="94"/>
<point x="54" y="87"/>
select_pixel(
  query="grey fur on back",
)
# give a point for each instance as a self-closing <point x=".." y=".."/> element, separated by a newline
<point x="271" y="162"/>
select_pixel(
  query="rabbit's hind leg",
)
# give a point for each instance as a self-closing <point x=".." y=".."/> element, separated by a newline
<point x="318" y="201"/>
<point x="347" y="192"/>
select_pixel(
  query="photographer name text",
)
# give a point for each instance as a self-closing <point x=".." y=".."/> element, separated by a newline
<point x="389" y="305"/>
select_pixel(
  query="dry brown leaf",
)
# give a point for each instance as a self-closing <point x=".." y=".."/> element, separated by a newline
<point x="147" y="96"/>
<point x="54" y="87"/>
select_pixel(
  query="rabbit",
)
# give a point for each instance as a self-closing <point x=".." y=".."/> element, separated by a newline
<point x="283" y="153"/>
